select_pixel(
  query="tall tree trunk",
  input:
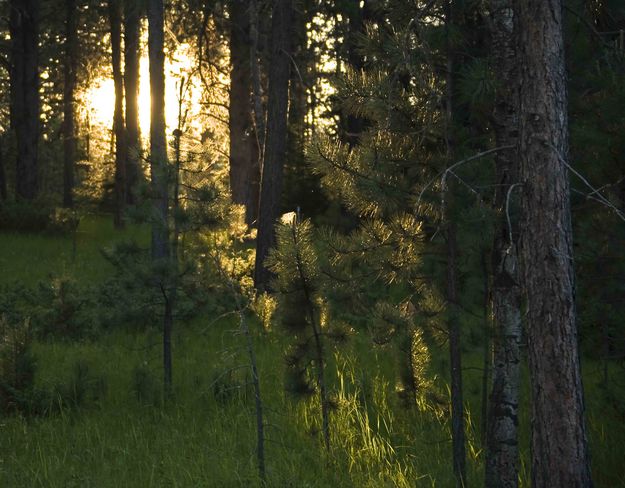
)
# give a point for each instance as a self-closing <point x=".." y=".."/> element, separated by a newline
<point x="455" y="359"/>
<point x="69" y="126"/>
<point x="159" y="171"/>
<point x="132" y="45"/>
<point x="24" y="74"/>
<point x="256" y="78"/>
<point x="119" y="131"/>
<point x="453" y="325"/>
<point x="502" y="452"/>
<point x="244" y="166"/>
<point x="275" y="147"/>
<point x="559" y="445"/>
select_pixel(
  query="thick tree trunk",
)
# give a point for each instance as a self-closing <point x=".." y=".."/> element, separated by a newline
<point x="69" y="126"/>
<point x="24" y="74"/>
<point x="502" y="452"/>
<point x="559" y="446"/>
<point x="275" y="147"/>
<point x="119" y="131"/>
<point x="132" y="16"/>
<point x="244" y="166"/>
<point x="159" y="171"/>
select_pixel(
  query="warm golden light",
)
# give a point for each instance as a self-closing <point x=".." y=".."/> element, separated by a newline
<point x="100" y="98"/>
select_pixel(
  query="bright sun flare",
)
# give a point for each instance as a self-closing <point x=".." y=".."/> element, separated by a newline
<point x="101" y="96"/>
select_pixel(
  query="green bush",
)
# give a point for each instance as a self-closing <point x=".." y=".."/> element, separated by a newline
<point x="33" y="217"/>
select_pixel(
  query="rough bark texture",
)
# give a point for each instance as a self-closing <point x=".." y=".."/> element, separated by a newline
<point x="275" y="146"/>
<point x="159" y="170"/>
<point x="69" y="126"/>
<point x="132" y="15"/>
<point x="502" y="452"/>
<point x="244" y="165"/>
<point x="119" y="131"/>
<point x="559" y="446"/>
<point x="24" y="74"/>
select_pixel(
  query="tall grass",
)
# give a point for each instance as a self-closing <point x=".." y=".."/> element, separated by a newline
<point x="124" y="436"/>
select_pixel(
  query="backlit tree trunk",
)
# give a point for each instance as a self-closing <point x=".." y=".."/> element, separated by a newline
<point x="115" y="19"/>
<point x="69" y="126"/>
<point x="275" y="146"/>
<point x="502" y="452"/>
<point x="159" y="171"/>
<point x="244" y="164"/>
<point x="559" y="446"/>
<point x="132" y="15"/>
<point x="24" y="74"/>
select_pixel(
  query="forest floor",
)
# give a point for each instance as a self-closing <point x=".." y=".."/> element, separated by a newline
<point x="121" y="435"/>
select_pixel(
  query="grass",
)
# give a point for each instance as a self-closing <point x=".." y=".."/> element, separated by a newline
<point x="206" y="435"/>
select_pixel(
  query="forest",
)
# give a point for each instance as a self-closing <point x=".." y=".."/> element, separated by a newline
<point x="308" y="243"/>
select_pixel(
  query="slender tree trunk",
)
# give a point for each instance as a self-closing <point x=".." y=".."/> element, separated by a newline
<point x="119" y="131"/>
<point x="559" y="445"/>
<point x="258" y="401"/>
<point x="69" y="129"/>
<point x="244" y="167"/>
<point x="24" y="75"/>
<point x="132" y="45"/>
<point x="502" y="452"/>
<point x="275" y="147"/>
<point x="455" y="358"/>
<point x="257" y="89"/>
<point x="159" y="171"/>
<point x="453" y="325"/>
<point x="487" y="350"/>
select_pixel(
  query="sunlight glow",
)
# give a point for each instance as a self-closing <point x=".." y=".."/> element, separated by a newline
<point x="101" y="96"/>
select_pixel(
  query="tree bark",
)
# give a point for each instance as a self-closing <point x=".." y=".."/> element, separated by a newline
<point x="502" y="452"/>
<point x="275" y="147"/>
<point x="24" y="75"/>
<point x="69" y="125"/>
<point x="119" y="131"/>
<point x="244" y="165"/>
<point x="559" y="445"/>
<point x="159" y="171"/>
<point x="132" y="45"/>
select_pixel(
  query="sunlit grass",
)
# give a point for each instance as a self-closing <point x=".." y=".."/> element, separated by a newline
<point x="206" y="436"/>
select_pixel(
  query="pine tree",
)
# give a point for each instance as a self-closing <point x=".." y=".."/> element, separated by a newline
<point x="276" y="138"/>
<point x="298" y="283"/>
<point x="25" y="103"/>
<point x="559" y="444"/>
<point x="115" y="20"/>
